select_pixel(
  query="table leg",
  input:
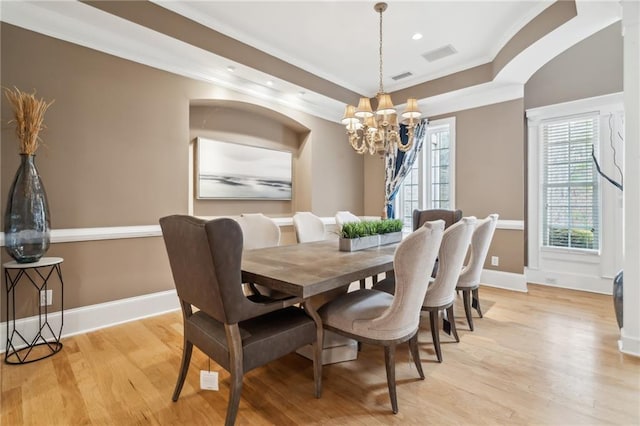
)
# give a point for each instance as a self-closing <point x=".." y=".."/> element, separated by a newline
<point x="317" y="347"/>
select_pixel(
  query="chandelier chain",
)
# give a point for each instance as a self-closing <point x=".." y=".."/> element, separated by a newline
<point x="380" y="51"/>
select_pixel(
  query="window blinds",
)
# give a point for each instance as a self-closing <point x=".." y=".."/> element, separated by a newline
<point x="570" y="213"/>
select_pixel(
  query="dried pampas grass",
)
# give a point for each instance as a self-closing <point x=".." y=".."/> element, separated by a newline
<point x="29" y="117"/>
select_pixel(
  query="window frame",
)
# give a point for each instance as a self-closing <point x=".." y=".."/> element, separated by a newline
<point x="423" y="164"/>
<point x="543" y="185"/>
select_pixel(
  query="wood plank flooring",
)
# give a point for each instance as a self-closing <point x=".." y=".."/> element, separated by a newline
<point x="546" y="357"/>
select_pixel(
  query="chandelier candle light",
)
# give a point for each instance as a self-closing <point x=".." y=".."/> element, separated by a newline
<point x="378" y="132"/>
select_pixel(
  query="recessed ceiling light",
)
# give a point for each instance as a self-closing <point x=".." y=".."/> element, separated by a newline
<point x="270" y="83"/>
<point x="416" y="36"/>
<point x="302" y="93"/>
<point x="231" y="68"/>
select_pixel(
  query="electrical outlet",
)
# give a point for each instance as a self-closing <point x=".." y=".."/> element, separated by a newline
<point x="495" y="260"/>
<point x="46" y="297"/>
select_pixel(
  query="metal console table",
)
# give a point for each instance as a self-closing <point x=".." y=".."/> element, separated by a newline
<point x="19" y="349"/>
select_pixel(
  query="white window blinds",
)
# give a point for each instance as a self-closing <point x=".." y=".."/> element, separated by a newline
<point x="570" y="192"/>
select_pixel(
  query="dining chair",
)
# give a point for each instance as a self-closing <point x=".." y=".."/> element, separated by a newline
<point x="308" y="227"/>
<point x="441" y="292"/>
<point x="260" y="231"/>
<point x="240" y="335"/>
<point x="469" y="279"/>
<point x="449" y="216"/>
<point x="343" y="217"/>
<point x="346" y="216"/>
<point x="375" y="317"/>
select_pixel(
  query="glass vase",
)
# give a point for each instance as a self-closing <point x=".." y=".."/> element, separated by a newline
<point x="26" y="220"/>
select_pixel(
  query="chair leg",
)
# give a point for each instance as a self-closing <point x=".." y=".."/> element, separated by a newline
<point x="374" y="279"/>
<point x="433" y="318"/>
<point x="476" y="302"/>
<point x="390" y="364"/>
<point x="363" y="283"/>
<point x="415" y="354"/>
<point x="466" y="297"/>
<point x="187" y="349"/>
<point x="236" y="369"/>
<point x="452" y="321"/>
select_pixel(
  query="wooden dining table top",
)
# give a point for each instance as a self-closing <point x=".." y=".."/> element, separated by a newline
<point x="308" y="269"/>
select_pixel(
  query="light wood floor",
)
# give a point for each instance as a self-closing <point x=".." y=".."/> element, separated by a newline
<point x="546" y="357"/>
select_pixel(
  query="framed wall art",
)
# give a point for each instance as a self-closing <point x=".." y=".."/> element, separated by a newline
<point x="233" y="171"/>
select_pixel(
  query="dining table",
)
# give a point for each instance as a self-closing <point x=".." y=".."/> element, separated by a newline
<point x="312" y="269"/>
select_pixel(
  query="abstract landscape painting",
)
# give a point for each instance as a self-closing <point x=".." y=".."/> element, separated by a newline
<point x="233" y="171"/>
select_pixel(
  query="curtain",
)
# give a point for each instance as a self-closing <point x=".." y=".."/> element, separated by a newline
<point x="398" y="164"/>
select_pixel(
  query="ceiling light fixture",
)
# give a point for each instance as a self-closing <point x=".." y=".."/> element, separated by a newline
<point x="231" y="68"/>
<point x="378" y="132"/>
<point x="416" y="36"/>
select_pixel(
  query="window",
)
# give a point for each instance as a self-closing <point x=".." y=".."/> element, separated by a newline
<point x="570" y="192"/>
<point x="430" y="183"/>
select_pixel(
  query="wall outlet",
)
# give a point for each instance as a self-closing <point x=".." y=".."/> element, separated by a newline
<point x="495" y="260"/>
<point x="46" y="297"/>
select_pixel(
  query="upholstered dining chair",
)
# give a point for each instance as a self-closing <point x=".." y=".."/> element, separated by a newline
<point x="375" y="317"/>
<point x="469" y="280"/>
<point x="240" y="335"/>
<point x="259" y="231"/>
<point x="343" y="217"/>
<point x="441" y="292"/>
<point x="308" y="227"/>
<point x="449" y="216"/>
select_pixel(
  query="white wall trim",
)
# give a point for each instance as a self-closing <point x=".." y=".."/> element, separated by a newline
<point x="95" y="317"/>
<point x="572" y="281"/>
<point x="505" y="280"/>
<point x="71" y="235"/>
<point x="628" y="344"/>
<point x="517" y="225"/>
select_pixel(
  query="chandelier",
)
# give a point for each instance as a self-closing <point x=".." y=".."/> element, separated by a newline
<point x="378" y="131"/>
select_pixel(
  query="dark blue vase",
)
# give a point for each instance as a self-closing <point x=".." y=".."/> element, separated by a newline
<point x="618" y="298"/>
<point x="26" y="220"/>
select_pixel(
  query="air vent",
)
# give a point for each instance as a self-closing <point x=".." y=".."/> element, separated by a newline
<point x="439" y="53"/>
<point x="401" y="76"/>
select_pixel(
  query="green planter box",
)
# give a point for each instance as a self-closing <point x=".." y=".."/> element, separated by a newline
<point x="362" y="243"/>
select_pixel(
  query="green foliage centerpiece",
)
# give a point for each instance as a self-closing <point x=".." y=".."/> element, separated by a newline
<point x="371" y="233"/>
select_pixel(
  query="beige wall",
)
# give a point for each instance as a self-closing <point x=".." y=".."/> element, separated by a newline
<point x="489" y="174"/>
<point x="117" y="154"/>
<point x="592" y="67"/>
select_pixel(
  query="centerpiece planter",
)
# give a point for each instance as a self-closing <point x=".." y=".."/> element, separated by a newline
<point x="356" y="236"/>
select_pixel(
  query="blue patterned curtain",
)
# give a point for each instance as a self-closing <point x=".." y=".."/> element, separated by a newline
<point x="398" y="164"/>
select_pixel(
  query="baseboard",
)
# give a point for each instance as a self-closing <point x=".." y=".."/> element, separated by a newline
<point x="95" y="317"/>
<point x="629" y="345"/>
<point x="570" y="280"/>
<point x="506" y="280"/>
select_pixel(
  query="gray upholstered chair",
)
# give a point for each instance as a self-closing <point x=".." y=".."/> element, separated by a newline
<point x="441" y="292"/>
<point x="449" y="216"/>
<point x="238" y="334"/>
<point x="308" y="227"/>
<point x="375" y="317"/>
<point x="469" y="280"/>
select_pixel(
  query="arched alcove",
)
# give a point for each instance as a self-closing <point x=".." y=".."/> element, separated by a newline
<point x="249" y="124"/>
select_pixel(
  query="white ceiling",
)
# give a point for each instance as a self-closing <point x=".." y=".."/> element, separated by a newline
<point x="338" y="40"/>
<point x="335" y="40"/>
